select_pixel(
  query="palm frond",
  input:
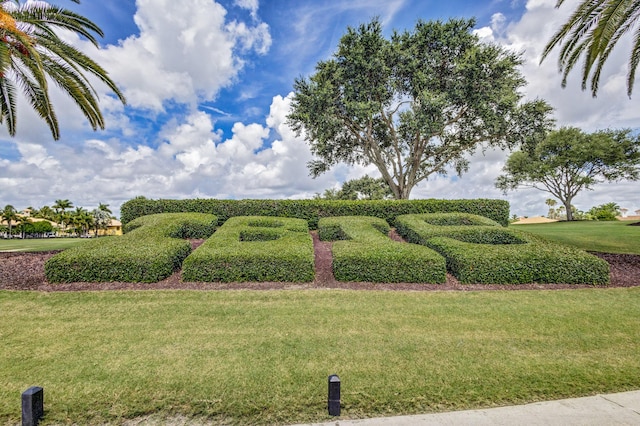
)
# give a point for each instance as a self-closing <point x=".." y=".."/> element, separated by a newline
<point x="31" y="52"/>
<point x="592" y="31"/>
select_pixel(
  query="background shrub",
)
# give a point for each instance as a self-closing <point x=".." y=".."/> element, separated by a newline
<point x="364" y="252"/>
<point x="313" y="210"/>
<point x="151" y="249"/>
<point x="249" y="248"/>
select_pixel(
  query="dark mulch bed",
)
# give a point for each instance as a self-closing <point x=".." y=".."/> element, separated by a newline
<point x="25" y="271"/>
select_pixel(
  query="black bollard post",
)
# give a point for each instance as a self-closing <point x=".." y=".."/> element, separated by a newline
<point x="32" y="406"/>
<point x="334" y="395"/>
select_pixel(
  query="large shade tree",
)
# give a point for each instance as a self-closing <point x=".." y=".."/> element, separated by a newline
<point x="32" y="54"/>
<point x="591" y="33"/>
<point x="413" y="105"/>
<point x="569" y="161"/>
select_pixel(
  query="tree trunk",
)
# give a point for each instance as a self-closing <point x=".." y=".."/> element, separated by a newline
<point x="567" y="206"/>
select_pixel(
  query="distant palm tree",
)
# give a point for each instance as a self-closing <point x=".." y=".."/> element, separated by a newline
<point x="593" y="30"/>
<point x="104" y="208"/>
<point x="60" y="207"/>
<point x="22" y="222"/>
<point x="45" y="212"/>
<point x="31" y="52"/>
<point x="551" y="203"/>
<point x="10" y="215"/>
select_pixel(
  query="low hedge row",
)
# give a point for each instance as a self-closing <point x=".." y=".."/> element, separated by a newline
<point x="479" y="250"/>
<point x="152" y="249"/>
<point x="249" y="248"/>
<point x="364" y="252"/>
<point x="313" y="210"/>
<point x="419" y="228"/>
<point x="534" y="262"/>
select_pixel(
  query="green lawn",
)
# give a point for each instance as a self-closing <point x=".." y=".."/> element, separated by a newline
<point x="607" y="237"/>
<point x="263" y="357"/>
<point x="39" y="244"/>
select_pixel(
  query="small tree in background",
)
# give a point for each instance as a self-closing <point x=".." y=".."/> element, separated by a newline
<point x="569" y="161"/>
<point x="365" y="188"/>
<point x="552" y="212"/>
<point x="608" y="211"/>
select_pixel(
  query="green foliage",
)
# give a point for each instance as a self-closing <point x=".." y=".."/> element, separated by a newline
<point x="470" y="228"/>
<point x="534" y="262"/>
<point x="591" y="33"/>
<point x="365" y="188"/>
<point x="480" y="251"/>
<point x="413" y="105"/>
<point x="249" y="248"/>
<point x="607" y="211"/>
<point x="32" y="55"/>
<point x="364" y="252"/>
<point x="569" y="161"/>
<point x="151" y="250"/>
<point x="313" y="210"/>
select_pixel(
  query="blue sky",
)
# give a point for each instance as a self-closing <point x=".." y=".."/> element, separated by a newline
<point x="208" y="85"/>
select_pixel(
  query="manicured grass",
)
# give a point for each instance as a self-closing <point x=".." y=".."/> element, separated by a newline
<point x="41" y="244"/>
<point x="607" y="237"/>
<point x="263" y="357"/>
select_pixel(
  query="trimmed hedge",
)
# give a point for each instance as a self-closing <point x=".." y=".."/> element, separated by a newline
<point x="364" y="252"/>
<point x="250" y="248"/>
<point x="152" y="249"/>
<point x="489" y="254"/>
<point x="313" y="210"/>
<point x="418" y="228"/>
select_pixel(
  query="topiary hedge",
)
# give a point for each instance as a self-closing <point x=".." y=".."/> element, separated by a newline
<point x="250" y="248"/>
<point x="534" y="262"/>
<point x="418" y="228"/>
<point x="364" y="252"/>
<point x="152" y="249"/>
<point x="479" y="251"/>
<point x="313" y="210"/>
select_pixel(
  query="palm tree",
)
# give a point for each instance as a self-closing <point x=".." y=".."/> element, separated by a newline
<point x="22" y="222"/>
<point x="45" y="212"/>
<point x="31" y="52"/>
<point x="104" y="208"/>
<point x="593" y="29"/>
<point x="10" y="215"/>
<point x="551" y="203"/>
<point x="82" y="220"/>
<point x="60" y="206"/>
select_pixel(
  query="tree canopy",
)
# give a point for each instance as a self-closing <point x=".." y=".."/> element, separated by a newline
<point x="364" y="188"/>
<point x="569" y="161"/>
<point x="591" y="33"/>
<point x="413" y="105"/>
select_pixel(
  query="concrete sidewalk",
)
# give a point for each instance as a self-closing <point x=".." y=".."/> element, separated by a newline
<point x="614" y="409"/>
